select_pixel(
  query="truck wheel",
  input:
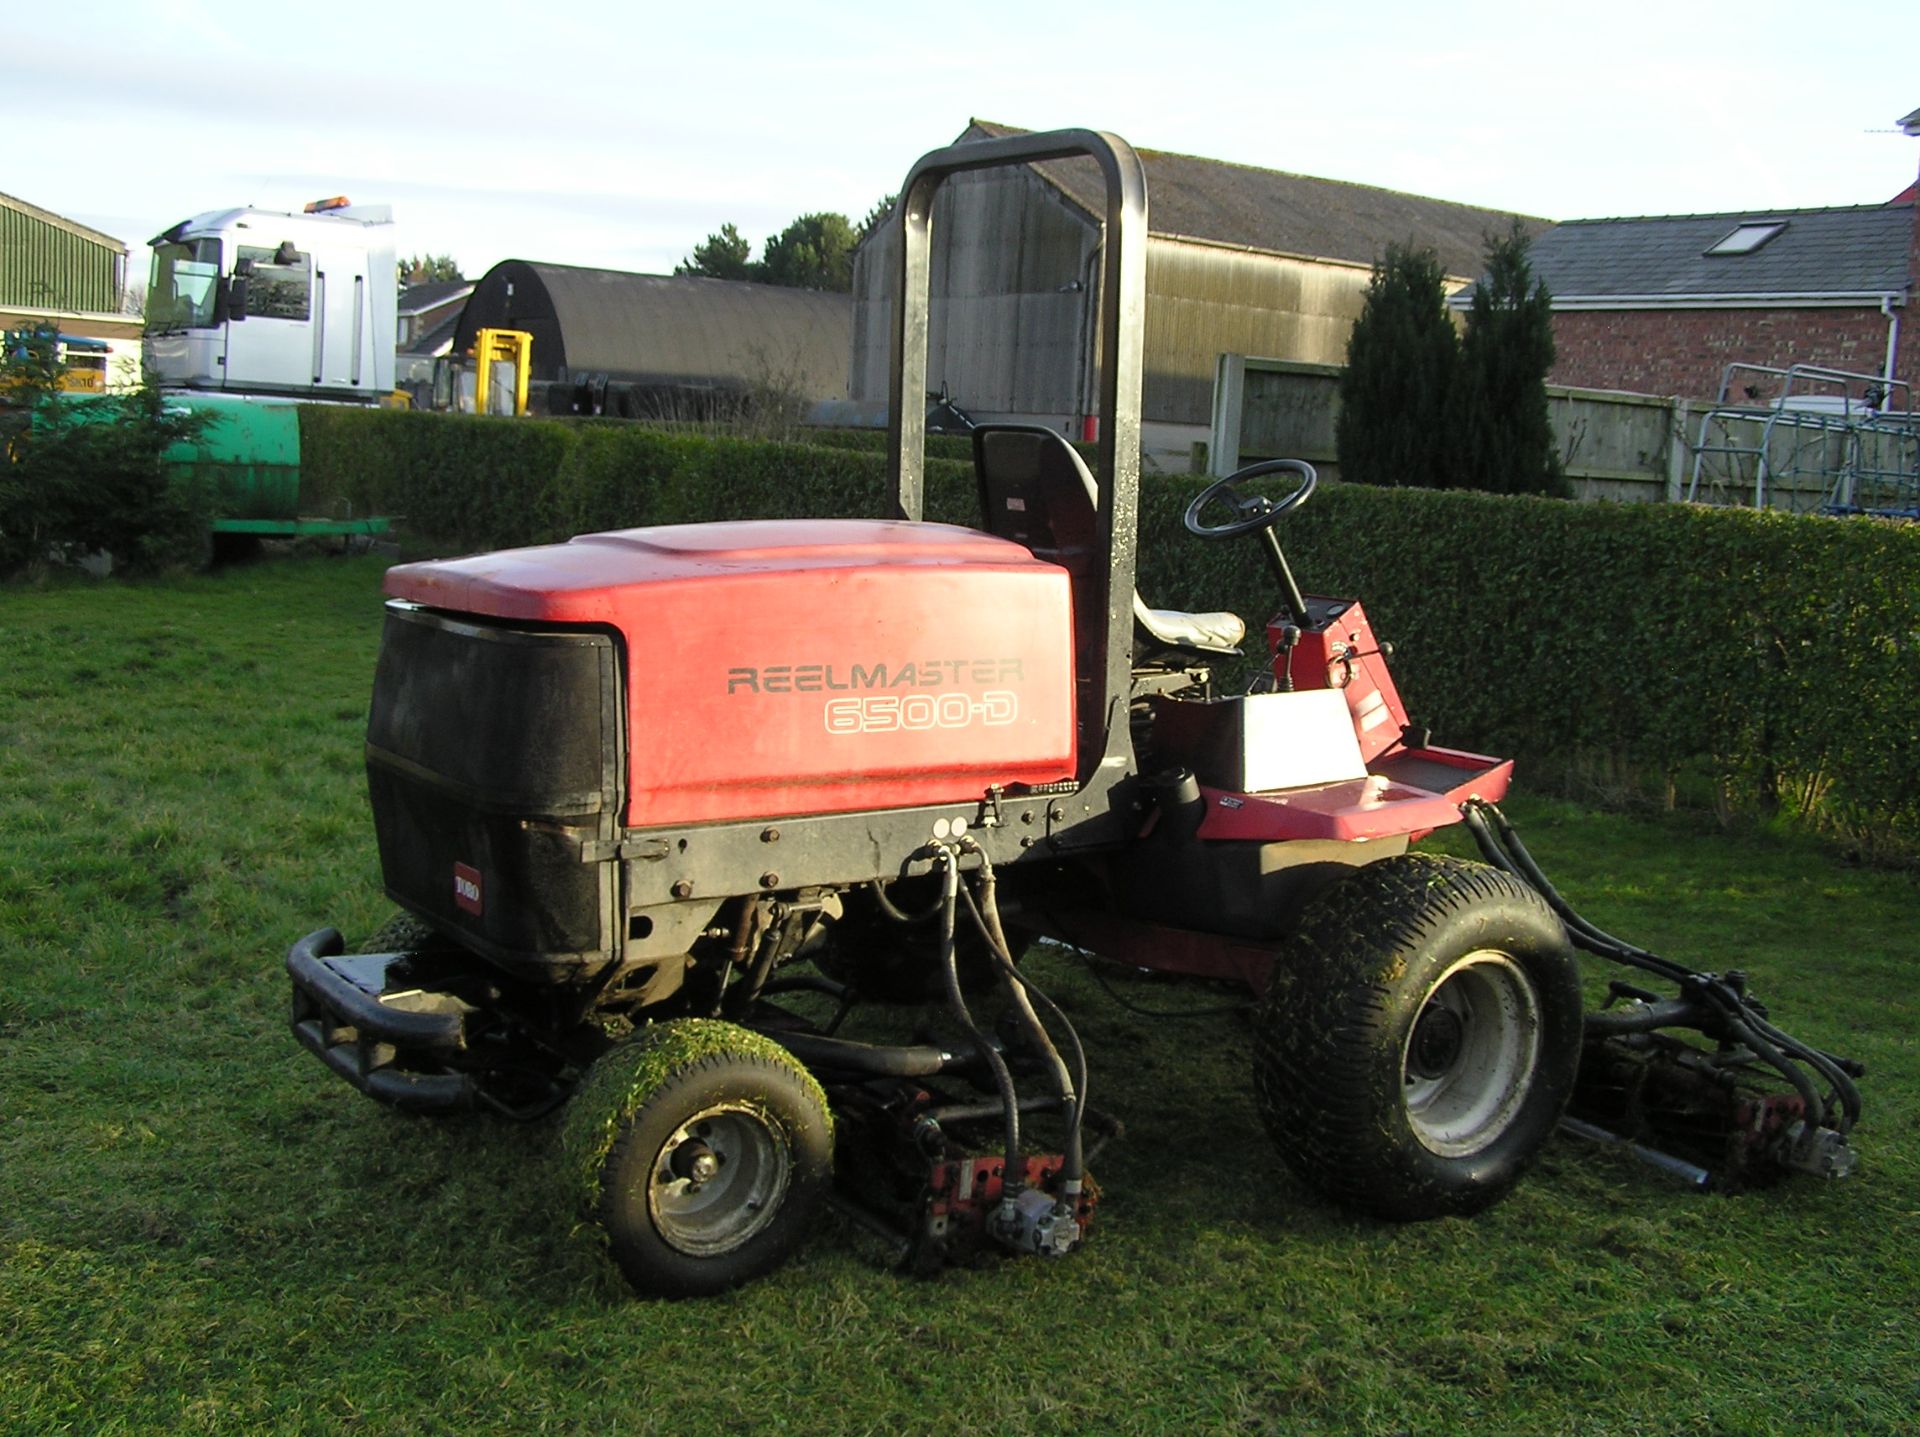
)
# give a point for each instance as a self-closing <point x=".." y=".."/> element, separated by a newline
<point x="702" y="1149"/>
<point x="1420" y="1037"/>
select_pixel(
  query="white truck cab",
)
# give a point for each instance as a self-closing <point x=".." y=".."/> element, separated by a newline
<point x="262" y="302"/>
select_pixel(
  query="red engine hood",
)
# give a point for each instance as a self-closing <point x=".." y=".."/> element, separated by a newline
<point x="804" y="666"/>
<point x="590" y="579"/>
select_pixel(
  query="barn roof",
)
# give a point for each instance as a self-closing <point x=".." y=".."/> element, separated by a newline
<point x="1857" y="250"/>
<point x="672" y="329"/>
<point x="1244" y="206"/>
<point x="61" y="222"/>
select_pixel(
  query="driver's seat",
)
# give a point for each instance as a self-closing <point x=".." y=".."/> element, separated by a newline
<point x="1036" y="490"/>
<point x="1214" y="632"/>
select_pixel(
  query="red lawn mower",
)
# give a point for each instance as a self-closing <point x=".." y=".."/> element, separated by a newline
<point x="646" y="797"/>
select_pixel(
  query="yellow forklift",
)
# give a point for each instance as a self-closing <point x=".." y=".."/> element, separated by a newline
<point x="488" y="378"/>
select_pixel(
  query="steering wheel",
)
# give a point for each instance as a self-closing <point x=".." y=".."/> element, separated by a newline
<point x="1256" y="510"/>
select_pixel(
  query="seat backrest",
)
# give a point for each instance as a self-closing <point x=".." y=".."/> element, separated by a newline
<point x="1036" y="490"/>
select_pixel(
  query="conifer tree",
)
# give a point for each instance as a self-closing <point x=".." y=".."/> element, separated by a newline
<point x="1401" y="360"/>
<point x="1503" y="435"/>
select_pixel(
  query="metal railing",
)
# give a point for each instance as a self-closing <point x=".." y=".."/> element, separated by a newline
<point x="1809" y="439"/>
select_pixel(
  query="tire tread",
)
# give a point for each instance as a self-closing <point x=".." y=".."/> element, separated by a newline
<point x="1326" y="1054"/>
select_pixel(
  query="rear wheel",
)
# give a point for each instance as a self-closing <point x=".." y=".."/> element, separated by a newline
<point x="1420" y="1037"/>
<point x="702" y="1149"/>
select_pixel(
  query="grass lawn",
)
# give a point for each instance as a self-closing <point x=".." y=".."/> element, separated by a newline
<point x="203" y="1231"/>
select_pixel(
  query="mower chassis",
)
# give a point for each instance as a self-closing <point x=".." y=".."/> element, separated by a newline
<point x="1422" y="1028"/>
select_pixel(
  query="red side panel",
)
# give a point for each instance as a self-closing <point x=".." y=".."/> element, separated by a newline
<point x="1345" y="655"/>
<point x="1412" y="792"/>
<point x="779" y="668"/>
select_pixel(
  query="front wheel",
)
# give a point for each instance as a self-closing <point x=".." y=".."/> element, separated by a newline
<point x="1420" y="1037"/>
<point x="702" y="1149"/>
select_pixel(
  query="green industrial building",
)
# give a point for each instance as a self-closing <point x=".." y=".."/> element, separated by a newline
<point x="55" y="271"/>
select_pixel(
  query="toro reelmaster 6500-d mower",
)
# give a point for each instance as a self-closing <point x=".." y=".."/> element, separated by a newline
<point x="645" y="797"/>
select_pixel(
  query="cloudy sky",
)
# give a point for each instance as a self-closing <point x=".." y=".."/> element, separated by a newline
<point x="622" y="135"/>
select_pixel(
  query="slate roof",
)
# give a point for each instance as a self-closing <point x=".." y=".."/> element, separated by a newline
<point x="1244" y="206"/>
<point x="417" y="298"/>
<point x="1858" y="250"/>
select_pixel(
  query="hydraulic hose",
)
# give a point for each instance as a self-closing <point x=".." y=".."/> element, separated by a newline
<point x="1070" y="1085"/>
<point x="898" y="914"/>
<point x="1742" y="1030"/>
<point x="1507" y="853"/>
<point x="1711" y="1005"/>
<point x="776" y="946"/>
<point x="823" y="1051"/>
<point x="1834" y="1069"/>
<point x="1013" y="1175"/>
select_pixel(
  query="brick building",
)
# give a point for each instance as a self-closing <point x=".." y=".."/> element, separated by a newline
<point x="1662" y="305"/>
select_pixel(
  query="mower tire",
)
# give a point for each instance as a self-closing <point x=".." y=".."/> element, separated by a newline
<point x="1420" y="1037"/>
<point x="702" y="1149"/>
<point x="402" y="933"/>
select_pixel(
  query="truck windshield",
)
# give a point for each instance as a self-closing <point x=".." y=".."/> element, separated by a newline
<point x="185" y="278"/>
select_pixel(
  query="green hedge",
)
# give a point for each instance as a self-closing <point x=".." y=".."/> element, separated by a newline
<point x="874" y="441"/>
<point x="489" y="482"/>
<point x="939" y="446"/>
<point x="1776" y="656"/>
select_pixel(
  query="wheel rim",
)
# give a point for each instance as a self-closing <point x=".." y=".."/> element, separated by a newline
<point x="1470" y="1056"/>
<point x="718" y="1181"/>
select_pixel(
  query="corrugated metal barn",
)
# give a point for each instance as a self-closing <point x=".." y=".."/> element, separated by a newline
<point x="54" y="271"/>
<point x="1239" y="261"/>
<point x="665" y="337"/>
<point x="52" y="265"/>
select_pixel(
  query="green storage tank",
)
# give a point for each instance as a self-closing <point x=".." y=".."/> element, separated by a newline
<point x="248" y="453"/>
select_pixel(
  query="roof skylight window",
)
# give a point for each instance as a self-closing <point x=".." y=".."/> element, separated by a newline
<point x="1748" y="237"/>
